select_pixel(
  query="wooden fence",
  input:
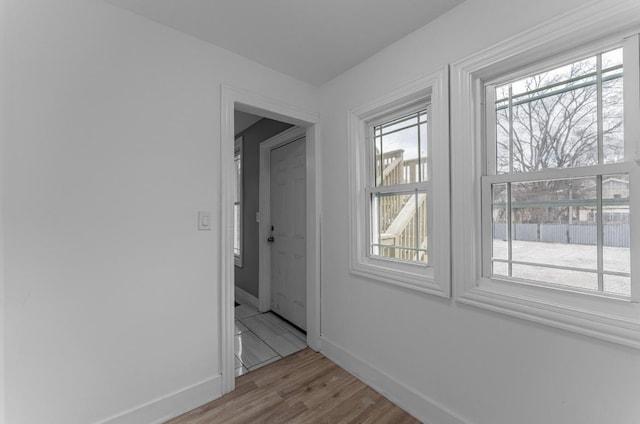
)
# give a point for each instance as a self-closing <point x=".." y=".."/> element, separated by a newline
<point x="614" y="235"/>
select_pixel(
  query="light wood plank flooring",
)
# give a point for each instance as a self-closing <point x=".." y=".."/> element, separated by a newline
<point x="302" y="388"/>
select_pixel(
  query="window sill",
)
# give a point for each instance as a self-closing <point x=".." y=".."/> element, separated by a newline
<point x="421" y="280"/>
<point x="618" y="323"/>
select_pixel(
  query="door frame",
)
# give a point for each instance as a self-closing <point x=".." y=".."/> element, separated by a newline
<point x="233" y="98"/>
<point x="264" y="249"/>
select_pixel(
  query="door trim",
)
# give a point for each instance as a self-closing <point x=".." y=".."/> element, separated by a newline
<point x="233" y="98"/>
<point x="264" y="250"/>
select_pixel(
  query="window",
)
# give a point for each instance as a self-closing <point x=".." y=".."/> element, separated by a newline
<point x="237" y="205"/>
<point x="400" y="186"/>
<point x="558" y="176"/>
<point x="545" y="165"/>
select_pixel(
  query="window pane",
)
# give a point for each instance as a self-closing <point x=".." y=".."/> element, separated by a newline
<point x="379" y="163"/>
<point x="238" y="165"/>
<point x="424" y="155"/>
<point x="421" y="220"/>
<point x="554" y="232"/>
<point x="553" y="119"/>
<point x="557" y="130"/>
<point x="237" y="218"/>
<point x="612" y="107"/>
<point x="236" y="229"/>
<point x="502" y="95"/>
<point x="499" y="215"/>
<point x="558" y="76"/>
<point x="617" y="285"/>
<point x="500" y="268"/>
<point x="565" y="277"/>
<point x="612" y="58"/>
<point x="398" y="124"/>
<point x="616" y="232"/>
<point x="502" y="140"/>
<point x="399" y="227"/>
<point x="402" y="148"/>
<point x="552" y="224"/>
<point x="403" y="144"/>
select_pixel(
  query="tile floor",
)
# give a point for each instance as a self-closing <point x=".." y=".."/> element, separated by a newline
<point x="262" y="338"/>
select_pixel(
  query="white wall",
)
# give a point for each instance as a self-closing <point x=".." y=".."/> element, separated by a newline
<point x="481" y="366"/>
<point x="2" y="137"/>
<point x="111" y="147"/>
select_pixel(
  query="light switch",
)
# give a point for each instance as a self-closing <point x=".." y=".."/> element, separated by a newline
<point x="257" y="216"/>
<point x="204" y="220"/>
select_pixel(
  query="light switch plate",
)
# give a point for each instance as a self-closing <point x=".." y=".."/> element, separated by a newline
<point x="204" y="220"/>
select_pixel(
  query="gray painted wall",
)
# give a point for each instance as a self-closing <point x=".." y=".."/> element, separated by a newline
<point x="246" y="277"/>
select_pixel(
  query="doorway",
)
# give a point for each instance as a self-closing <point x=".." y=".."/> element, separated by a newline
<point x="267" y="333"/>
<point x="233" y="99"/>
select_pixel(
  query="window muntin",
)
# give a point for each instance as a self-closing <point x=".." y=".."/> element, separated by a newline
<point x="398" y="192"/>
<point x="555" y="143"/>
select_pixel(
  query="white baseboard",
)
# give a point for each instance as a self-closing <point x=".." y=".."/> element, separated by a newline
<point x="416" y="404"/>
<point x="170" y="406"/>
<point x="246" y="298"/>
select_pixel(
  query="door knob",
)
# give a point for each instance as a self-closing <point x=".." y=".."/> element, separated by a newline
<point x="271" y="239"/>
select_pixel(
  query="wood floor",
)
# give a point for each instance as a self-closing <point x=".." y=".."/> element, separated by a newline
<point x="302" y="388"/>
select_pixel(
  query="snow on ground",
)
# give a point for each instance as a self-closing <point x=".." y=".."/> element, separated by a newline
<point x="616" y="259"/>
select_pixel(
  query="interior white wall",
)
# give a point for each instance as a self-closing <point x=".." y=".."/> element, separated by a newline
<point x="2" y="137"/>
<point x="484" y="367"/>
<point x="111" y="148"/>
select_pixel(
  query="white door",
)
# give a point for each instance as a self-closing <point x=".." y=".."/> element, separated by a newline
<point x="288" y="248"/>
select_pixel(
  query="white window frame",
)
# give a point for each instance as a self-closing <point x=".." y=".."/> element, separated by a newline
<point x="491" y="176"/>
<point x="584" y="30"/>
<point x="237" y="257"/>
<point x="433" y="278"/>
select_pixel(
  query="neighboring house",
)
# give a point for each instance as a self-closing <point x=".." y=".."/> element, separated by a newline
<point x="616" y="193"/>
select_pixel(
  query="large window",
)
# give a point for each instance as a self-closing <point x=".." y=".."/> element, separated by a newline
<point x="545" y="157"/>
<point x="399" y="154"/>
<point x="558" y="177"/>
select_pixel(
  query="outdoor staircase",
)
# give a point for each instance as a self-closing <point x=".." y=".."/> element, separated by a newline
<point x="398" y="212"/>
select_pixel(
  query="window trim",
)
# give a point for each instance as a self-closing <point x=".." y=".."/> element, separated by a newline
<point x="237" y="150"/>
<point x="604" y="317"/>
<point x="435" y="277"/>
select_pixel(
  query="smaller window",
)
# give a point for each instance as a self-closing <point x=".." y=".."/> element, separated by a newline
<point x="399" y="186"/>
<point x="237" y="205"/>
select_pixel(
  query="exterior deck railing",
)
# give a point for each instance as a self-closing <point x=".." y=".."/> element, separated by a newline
<point x="405" y="232"/>
<point x="397" y="219"/>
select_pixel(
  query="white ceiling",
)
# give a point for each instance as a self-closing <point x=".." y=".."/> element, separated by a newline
<point x="311" y="40"/>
